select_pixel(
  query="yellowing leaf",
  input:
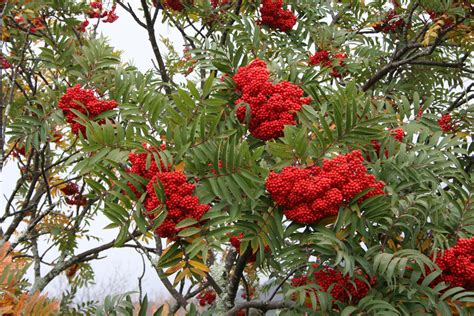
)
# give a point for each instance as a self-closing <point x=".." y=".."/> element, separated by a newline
<point x="180" y="166"/>
<point x="57" y="184"/>
<point x="391" y="245"/>
<point x="175" y="268"/>
<point x="194" y="17"/>
<point x="462" y="134"/>
<point x="327" y="220"/>
<point x="432" y="33"/>
<point x="341" y="234"/>
<point x="199" y="272"/>
<point x="181" y="275"/>
<point x="426" y="245"/>
<point x="199" y="265"/>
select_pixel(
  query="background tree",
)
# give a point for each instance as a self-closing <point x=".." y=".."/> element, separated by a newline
<point x="307" y="156"/>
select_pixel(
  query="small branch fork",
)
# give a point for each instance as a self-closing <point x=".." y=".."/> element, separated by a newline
<point x="408" y="54"/>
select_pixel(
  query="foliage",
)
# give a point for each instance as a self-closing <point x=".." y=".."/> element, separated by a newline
<point x="386" y="66"/>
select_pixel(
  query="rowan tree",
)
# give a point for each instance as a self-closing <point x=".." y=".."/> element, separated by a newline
<point x="311" y="157"/>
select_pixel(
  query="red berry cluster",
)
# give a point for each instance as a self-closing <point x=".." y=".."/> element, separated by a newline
<point x="84" y="101"/>
<point x="70" y="189"/>
<point x="77" y="200"/>
<point x="321" y="57"/>
<point x="206" y="297"/>
<point x="187" y="60"/>
<point x="398" y="134"/>
<point x="180" y="202"/>
<point x="392" y="23"/>
<point x="446" y="123"/>
<point x="138" y="162"/>
<point x="457" y="264"/>
<point x="344" y="289"/>
<point x="272" y="106"/>
<point x="376" y="145"/>
<point x="309" y="194"/>
<point x="324" y="58"/>
<point x="4" y="64"/>
<point x="74" y="196"/>
<point x="274" y="16"/>
<point x="97" y="12"/>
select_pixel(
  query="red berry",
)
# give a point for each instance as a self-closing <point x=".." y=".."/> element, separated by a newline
<point x="446" y="123"/>
<point x="398" y="134"/>
<point x="272" y="106"/>
<point x="111" y="16"/>
<point x="274" y="16"/>
<point x="206" y="297"/>
<point x="324" y="59"/>
<point x="70" y="189"/>
<point x="310" y="194"/>
<point x="343" y="288"/>
<point x="180" y="201"/>
<point x="4" y="64"/>
<point x="392" y="23"/>
<point x="320" y="57"/>
<point x="457" y="264"/>
<point x="84" y="101"/>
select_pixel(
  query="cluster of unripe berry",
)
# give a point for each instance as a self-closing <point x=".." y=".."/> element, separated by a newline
<point x="325" y="59"/>
<point x="312" y="193"/>
<point x="342" y="288"/>
<point x="274" y="16"/>
<point x="457" y="264"/>
<point x="179" y="200"/>
<point x="85" y="102"/>
<point x="272" y="106"/>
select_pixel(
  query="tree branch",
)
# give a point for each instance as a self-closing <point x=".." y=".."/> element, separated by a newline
<point x="237" y="275"/>
<point x="154" y="44"/>
<point x="62" y="265"/>
<point x="397" y="61"/>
